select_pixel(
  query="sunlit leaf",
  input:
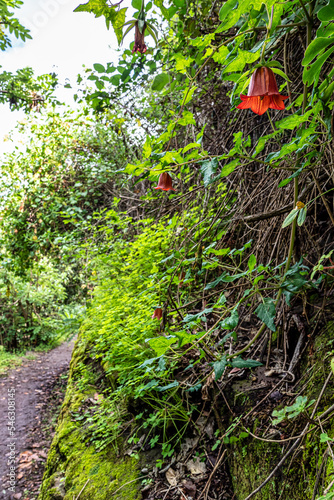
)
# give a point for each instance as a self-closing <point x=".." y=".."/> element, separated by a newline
<point x="290" y="218"/>
<point x="301" y="216"/>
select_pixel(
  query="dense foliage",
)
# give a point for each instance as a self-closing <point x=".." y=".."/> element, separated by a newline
<point x="53" y="190"/>
<point x="21" y="89"/>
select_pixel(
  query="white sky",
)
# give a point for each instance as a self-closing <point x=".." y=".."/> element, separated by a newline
<point x="62" y="42"/>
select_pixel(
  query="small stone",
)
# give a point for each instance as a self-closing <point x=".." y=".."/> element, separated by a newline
<point x="276" y="395"/>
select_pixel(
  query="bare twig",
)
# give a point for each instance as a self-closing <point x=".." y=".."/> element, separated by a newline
<point x="207" y="486"/>
<point x="84" y="486"/>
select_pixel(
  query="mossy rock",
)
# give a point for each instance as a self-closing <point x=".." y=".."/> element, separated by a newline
<point x="80" y="469"/>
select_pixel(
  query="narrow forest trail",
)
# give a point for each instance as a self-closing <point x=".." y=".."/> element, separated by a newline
<point x="30" y="397"/>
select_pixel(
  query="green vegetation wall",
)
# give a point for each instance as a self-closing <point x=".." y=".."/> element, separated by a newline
<point x="205" y="245"/>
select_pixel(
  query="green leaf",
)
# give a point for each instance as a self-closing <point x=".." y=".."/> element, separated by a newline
<point x="259" y="278"/>
<point x="284" y="182"/>
<point x="216" y="282"/>
<point x="136" y="4"/>
<point x="293" y="121"/>
<point x="226" y="8"/>
<point x="160" y="81"/>
<point x="189" y="146"/>
<point x="202" y="42"/>
<point x="294" y="280"/>
<point x="239" y="62"/>
<point x="221" y="55"/>
<point x="315" y="48"/>
<point x="115" y="80"/>
<point x="230" y="15"/>
<point x="186" y="119"/>
<point x="166" y="387"/>
<point x="194" y="317"/>
<point x="301" y="216"/>
<point x="111" y="14"/>
<point x="186" y="338"/>
<point x="245" y="363"/>
<point x="273" y="64"/>
<point x="251" y="262"/>
<point x="222" y="251"/>
<point x="161" y="344"/>
<point x="208" y="168"/>
<point x="187" y="95"/>
<point x="90" y="6"/>
<point x="266" y="312"/>
<point x="327" y="12"/>
<point x="153" y="32"/>
<point x="228" y="336"/>
<point x="312" y="73"/>
<point x="324" y="438"/>
<point x="229" y="168"/>
<point x="219" y="367"/>
<point x="327" y="93"/>
<point x="290" y="218"/>
<point x="281" y="73"/>
<point x="280" y="414"/>
<point x="99" y="68"/>
<point x="117" y="19"/>
<point x="181" y="62"/>
<point x="147" y="148"/>
<point x="221" y="301"/>
<point x="231" y="322"/>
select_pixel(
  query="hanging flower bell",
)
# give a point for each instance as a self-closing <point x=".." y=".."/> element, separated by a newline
<point x="165" y="182"/>
<point x="262" y="93"/>
<point x="157" y="313"/>
<point x="141" y="25"/>
<point x="139" y="45"/>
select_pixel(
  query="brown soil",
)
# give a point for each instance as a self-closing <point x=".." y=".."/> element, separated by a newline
<point x="38" y="387"/>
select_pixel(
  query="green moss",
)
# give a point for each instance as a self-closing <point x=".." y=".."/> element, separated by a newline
<point x="249" y="464"/>
<point x="73" y="466"/>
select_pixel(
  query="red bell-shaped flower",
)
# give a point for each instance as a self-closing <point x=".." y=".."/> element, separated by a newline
<point x="262" y="93"/>
<point x="139" y="45"/>
<point x="157" y="313"/>
<point x="165" y="182"/>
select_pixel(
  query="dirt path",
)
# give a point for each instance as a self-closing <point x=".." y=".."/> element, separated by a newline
<point x="29" y="396"/>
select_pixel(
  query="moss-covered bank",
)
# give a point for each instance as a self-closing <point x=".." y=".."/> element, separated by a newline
<point x="74" y="467"/>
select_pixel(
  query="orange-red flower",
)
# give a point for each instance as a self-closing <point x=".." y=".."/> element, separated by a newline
<point x="139" y="45"/>
<point x="262" y="93"/>
<point x="157" y="313"/>
<point x="165" y="182"/>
